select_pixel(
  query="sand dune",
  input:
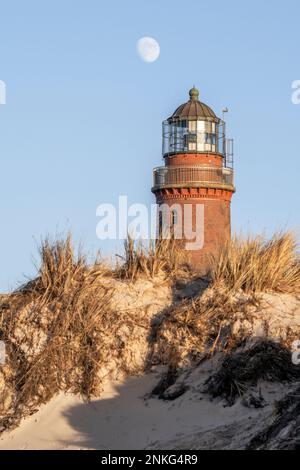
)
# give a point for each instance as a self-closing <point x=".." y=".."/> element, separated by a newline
<point x="144" y="349"/>
<point x="126" y="417"/>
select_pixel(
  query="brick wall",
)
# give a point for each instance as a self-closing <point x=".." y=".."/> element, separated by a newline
<point x="216" y="226"/>
<point x="216" y="202"/>
<point x="190" y="159"/>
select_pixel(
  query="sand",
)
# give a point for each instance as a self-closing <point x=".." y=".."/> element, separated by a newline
<point x="125" y="417"/>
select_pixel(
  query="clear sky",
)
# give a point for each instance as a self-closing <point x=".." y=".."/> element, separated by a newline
<point x="82" y="121"/>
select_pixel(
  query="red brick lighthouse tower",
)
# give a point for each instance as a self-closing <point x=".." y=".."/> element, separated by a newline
<point x="196" y="183"/>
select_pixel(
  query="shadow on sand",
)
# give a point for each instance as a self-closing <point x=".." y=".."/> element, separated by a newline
<point x="126" y="416"/>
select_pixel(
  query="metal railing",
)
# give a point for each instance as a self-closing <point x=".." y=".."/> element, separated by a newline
<point x="192" y="176"/>
<point x="178" y="137"/>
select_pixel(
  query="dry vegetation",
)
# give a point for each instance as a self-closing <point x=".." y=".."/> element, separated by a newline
<point x="242" y="369"/>
<point x="53" y="328"/>
<point x="151" y="260"/>
<point x="284" y="431"/>
<point x="259" y="265"/>
<point x="60" y="328"/>
<point x="206" y="324"/>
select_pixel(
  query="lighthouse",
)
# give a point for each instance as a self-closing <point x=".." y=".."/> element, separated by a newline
<point x="194" y="188"/>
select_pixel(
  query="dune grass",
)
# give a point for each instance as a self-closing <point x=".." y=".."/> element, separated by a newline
<point x="245" y="268"/>
<point x="161" y="257"/>
<point x="255" y="264"/>
<point x="55" y="328"/>
<point x="264" y="360"/>
<point x="252" y="264"/>
<point x="60" y="328"/>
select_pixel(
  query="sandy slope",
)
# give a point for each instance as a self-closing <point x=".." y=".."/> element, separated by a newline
<point x="126" y="418"/>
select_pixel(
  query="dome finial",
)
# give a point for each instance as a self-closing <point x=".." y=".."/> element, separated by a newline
<point x="194" y="94"/>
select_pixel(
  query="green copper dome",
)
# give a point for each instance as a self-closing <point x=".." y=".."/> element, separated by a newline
<point x="194" y="94"/>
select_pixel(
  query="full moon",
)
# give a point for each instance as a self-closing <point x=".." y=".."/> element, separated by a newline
<point x="148" y="49"/>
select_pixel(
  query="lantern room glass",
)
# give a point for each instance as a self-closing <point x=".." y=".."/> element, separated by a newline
<point x="188" y="136"/>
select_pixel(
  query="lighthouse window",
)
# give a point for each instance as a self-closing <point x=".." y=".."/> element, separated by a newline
<point x="174" y="217"/>
<point x="193" y="126"/>
<point x="190" y="138"/>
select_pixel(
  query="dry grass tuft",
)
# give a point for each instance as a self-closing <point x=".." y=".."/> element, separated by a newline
<point x="200" y="326"/>
<point x="197" y="327"/>
<point x="284" y="430"/>
<point x="160" y="257"/>
<point x="242" y="369"/>
<point x="58" y="329"/>
<point x="259" y="265"/>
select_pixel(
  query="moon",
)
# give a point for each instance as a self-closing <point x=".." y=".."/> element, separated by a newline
<point x="148" y="49"/>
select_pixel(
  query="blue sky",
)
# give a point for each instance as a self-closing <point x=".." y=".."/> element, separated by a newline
<point x="82" y="122"/>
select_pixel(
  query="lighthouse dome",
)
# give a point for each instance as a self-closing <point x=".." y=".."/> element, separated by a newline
<point x="193" y="128"/>
<point x="194" y="109"/>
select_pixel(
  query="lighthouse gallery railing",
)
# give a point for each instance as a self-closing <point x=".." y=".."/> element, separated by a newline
<point x="194" y="176"/>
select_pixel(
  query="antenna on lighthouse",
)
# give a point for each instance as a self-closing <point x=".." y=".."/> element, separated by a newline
<point x="224" y="110"/>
